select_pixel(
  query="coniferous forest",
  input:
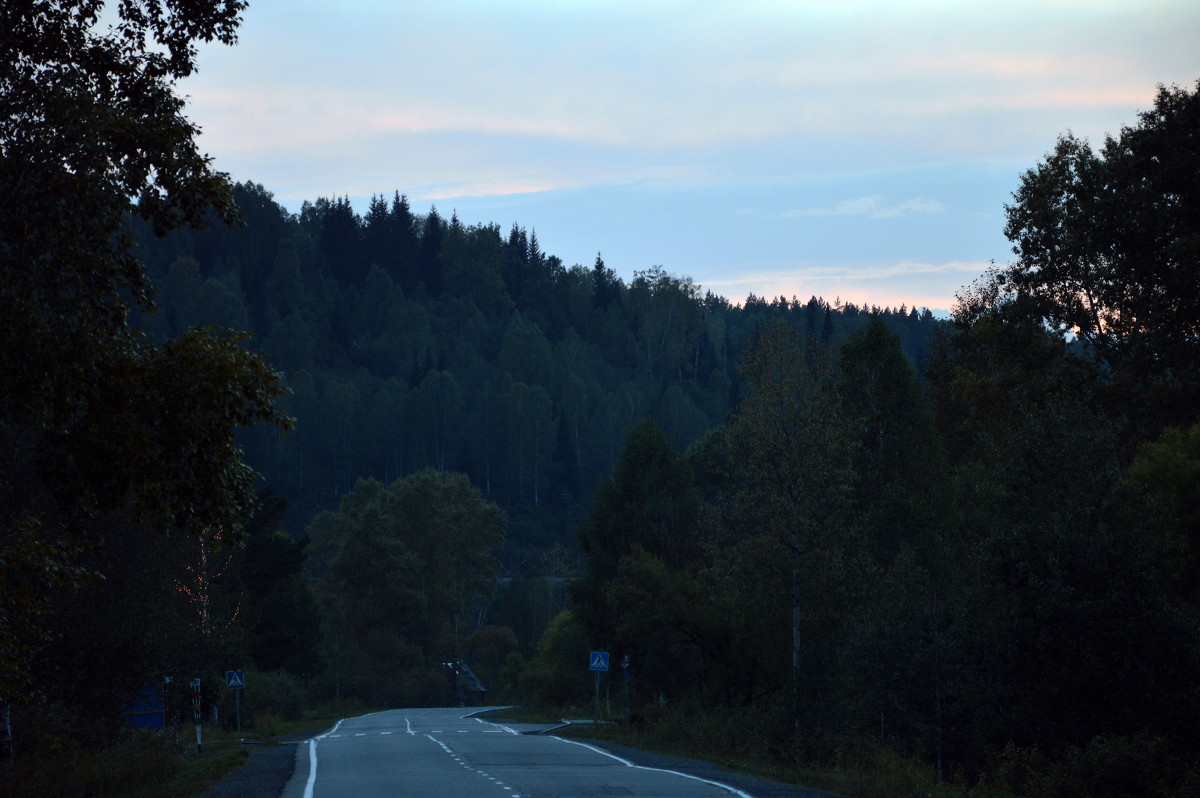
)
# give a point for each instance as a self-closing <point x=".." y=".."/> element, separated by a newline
<point x="410" y="341"/>
<point x="349" y="452"/>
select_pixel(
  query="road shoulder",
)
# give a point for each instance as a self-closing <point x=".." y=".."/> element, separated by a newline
<point x="759" y="788"/>
<point x="266" y="772"/>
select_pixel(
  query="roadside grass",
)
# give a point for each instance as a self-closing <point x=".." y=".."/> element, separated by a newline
<point x="518" y="714"/>
<point x="136" y="764"/>
<point x="741" y="747"/>
<point x="196" y="773"/>
<point x="200" y="774"/>
<point x="161" y="764"/>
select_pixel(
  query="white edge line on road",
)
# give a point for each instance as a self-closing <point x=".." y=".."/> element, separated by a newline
<point x="497" y="725"/>
<point x="629" y="764"/>
<point x="477" y="712"/>
<point x="312" y="760"/>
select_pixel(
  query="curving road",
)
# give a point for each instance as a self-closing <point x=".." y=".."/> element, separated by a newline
<point x="445" y="753"/>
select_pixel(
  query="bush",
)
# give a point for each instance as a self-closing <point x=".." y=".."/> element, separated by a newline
<point x="555" y="676"/>
<point x="276" y="693"/>
<point x="137" y="762"/>
<point x="887" y="774"/>
<point x="418" y="687"/>
<point x="1111" y="766"/>
<point x="1137" y="766"/>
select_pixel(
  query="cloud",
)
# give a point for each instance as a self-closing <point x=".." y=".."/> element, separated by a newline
<point x="855" y="272"/>
<point x="494" y="188"/>
<point x="874" y="207"/>
<point x="758" y="88"/>
<point x="886" y="284"/>
<point x="705" y="136"/>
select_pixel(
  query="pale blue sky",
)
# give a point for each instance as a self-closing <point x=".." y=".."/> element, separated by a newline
<point x="848" y="148"/>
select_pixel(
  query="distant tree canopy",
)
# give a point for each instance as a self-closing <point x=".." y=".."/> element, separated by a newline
<point x="413" y="341"/>
<point x="412" y="566"/>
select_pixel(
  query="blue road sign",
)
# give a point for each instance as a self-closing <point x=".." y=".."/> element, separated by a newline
<point x="599" y="660"/>
<point x="235" y="679"/>
<point x="147" y="710"/>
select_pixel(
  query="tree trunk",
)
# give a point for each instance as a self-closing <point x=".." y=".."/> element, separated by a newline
<point x="796" y="649"/>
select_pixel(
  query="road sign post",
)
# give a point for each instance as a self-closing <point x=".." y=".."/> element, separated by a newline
<point x="598" y="662"/>
<point x="625" y="675"/>
<point x="236" y="681"/>
<point x="196" y="712"/>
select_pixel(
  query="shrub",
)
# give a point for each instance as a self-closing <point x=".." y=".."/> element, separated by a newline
<point x="136" y="762"/>
<point x="276" y="693"/>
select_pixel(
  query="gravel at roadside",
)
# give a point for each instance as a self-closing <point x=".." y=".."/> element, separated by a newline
<point x="265" y="773"/>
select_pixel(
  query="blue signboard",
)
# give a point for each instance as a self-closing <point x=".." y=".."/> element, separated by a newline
<point x="598" y="660"/>
<point x="235" y="679"/>
<point x="147" y="710"/>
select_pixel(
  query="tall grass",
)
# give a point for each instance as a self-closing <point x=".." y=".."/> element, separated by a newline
<point x="759" y="742"/>
<point x="136" y="764"/>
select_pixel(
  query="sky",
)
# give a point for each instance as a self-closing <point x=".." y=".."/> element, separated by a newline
<point x="855" y="150"/>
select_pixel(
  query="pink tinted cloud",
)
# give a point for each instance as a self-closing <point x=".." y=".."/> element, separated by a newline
<point x="914" y="284"/>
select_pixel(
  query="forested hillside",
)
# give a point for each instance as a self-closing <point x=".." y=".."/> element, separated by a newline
<point x="992" y="571"/>
<point x="411" y="341"/>
<point x="958" y="557"/>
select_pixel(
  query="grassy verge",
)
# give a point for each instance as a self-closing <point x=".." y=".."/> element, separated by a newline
<point x="198" y="774"/>
<point x="747" y="762"/>
<point x="163" y="764"/>
<point x="738" y="745"/>
<point x="132" y="765"/>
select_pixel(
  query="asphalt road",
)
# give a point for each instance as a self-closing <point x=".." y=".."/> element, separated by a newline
<point x="444" y="753"/>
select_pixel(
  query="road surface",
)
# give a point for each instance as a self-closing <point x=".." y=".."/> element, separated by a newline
<point x="444" y="753"/>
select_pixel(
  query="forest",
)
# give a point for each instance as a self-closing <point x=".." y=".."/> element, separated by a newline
<point x="410" y="341"/>
<point x="351" y="453"/>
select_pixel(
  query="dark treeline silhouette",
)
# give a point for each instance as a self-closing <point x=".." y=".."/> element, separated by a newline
<point x="958" y="556"/>
<point x="412" y="341"/>
<point x="958" y="552"/>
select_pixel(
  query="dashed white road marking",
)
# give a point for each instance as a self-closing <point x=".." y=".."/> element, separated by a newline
<point x="333" y="733"/>
<point x="454" y="755"/>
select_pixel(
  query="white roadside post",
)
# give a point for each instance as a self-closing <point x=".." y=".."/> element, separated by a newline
<point x="196" y="712"/>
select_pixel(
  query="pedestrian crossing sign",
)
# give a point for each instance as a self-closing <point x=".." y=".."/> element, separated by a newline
<point x="599" y="660"/>
<point x="235" y="679"/>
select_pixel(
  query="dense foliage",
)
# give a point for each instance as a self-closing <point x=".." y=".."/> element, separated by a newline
<point x="411" y="569"/>
<point x="109" y="437"/>
<point x="412" y="341"/>
<point x="121" y="474"/>
<point x="464" y="352"/>
<point x="1108" y="249"/>
<point x="991" y="570"/>
<point x="971" y="544"/>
